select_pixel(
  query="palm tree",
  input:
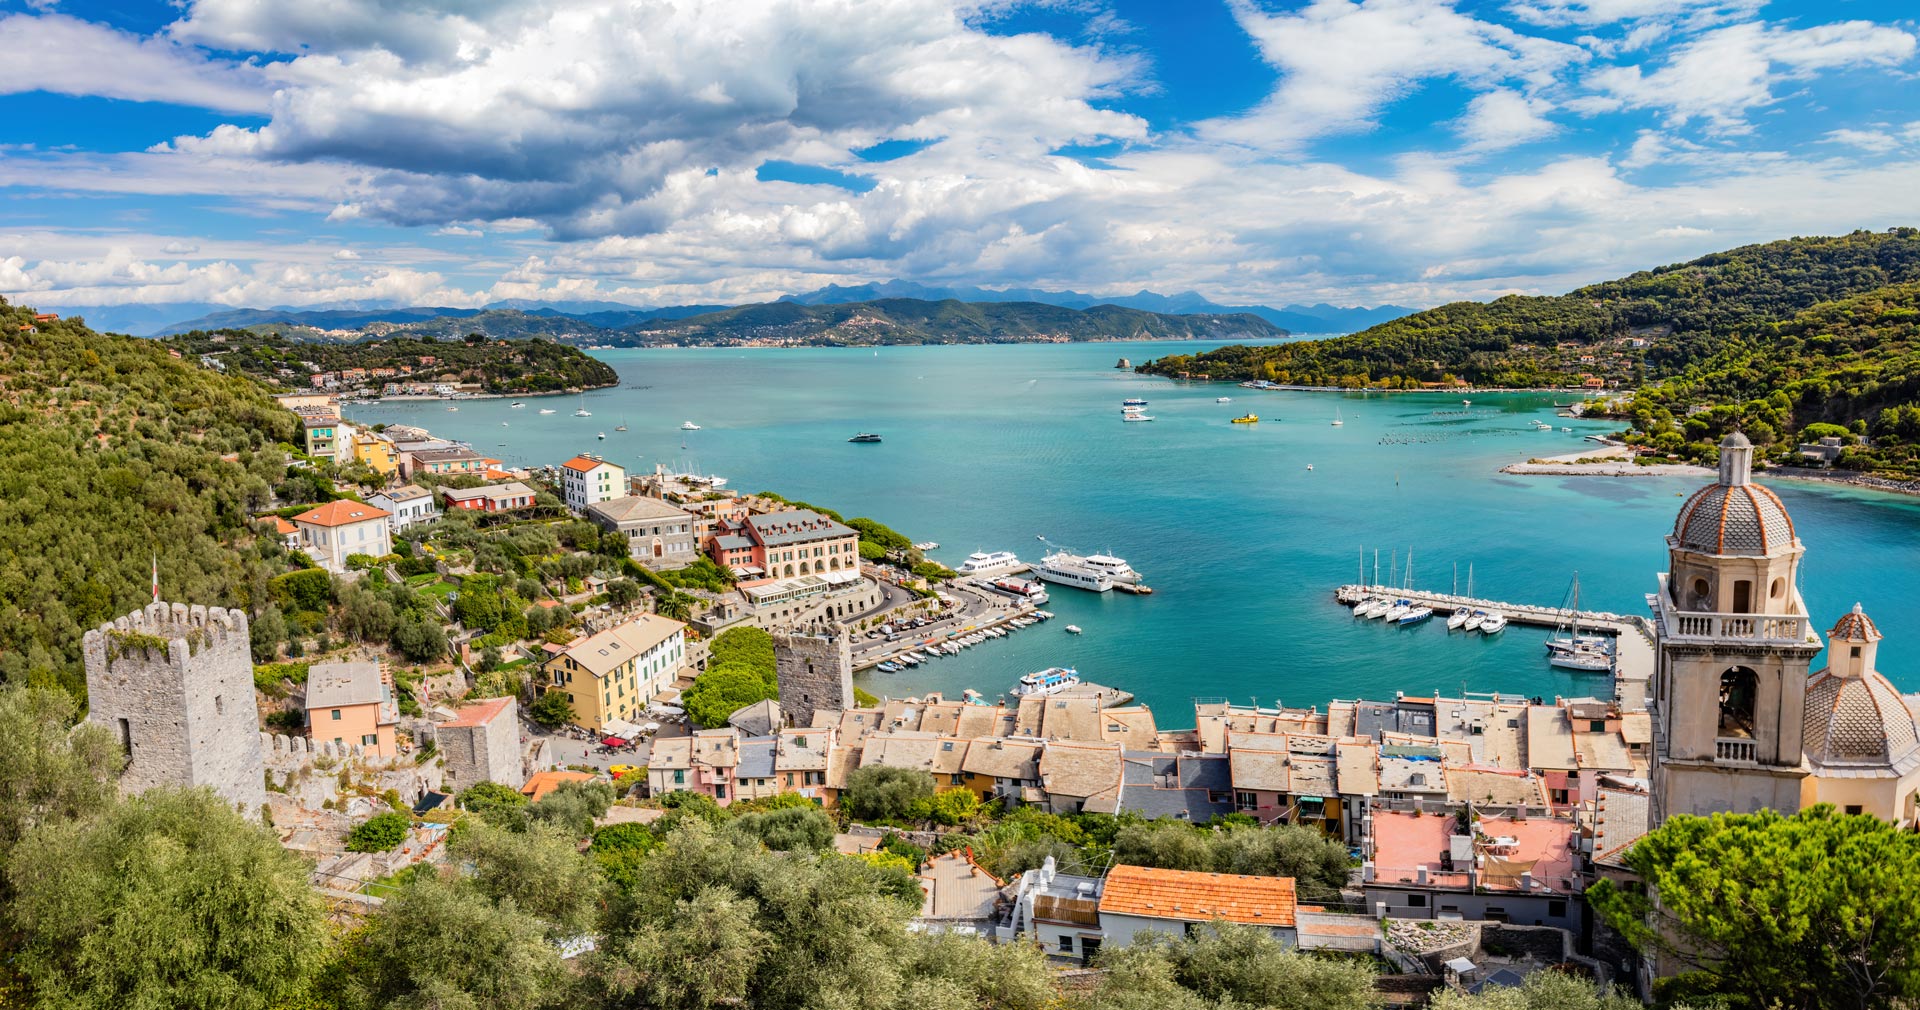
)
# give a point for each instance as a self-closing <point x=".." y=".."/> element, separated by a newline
<point x="673" y="604"/>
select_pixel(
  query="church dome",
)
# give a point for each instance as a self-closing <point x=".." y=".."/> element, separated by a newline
<point x="1734" y="515"/>
<point x="1733" y="519"/>
<point x="1858" y="720"/>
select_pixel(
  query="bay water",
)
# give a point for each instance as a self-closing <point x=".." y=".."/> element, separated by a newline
<point x="987" y="447"/>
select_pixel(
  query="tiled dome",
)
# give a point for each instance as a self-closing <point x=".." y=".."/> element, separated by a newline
<point x="1857" y="720"/>
<point x="1855" y="627"/>
<point x="1733" y="519"/>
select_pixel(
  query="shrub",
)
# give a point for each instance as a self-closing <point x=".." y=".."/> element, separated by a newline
<point x="553" y="708"/>
<point x="880" y="793"/>
<point x="378" y="833"/>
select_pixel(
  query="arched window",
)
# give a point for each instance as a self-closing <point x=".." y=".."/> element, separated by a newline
<point x="1739" y="690"/>
<point x="789" y="571"/>
<point x="833" y="564"/>
<point x="1702" y="598"/>
<point x="803" y="568"/>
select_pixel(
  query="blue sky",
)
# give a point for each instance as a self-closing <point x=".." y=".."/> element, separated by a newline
<point x="256" y="152"/>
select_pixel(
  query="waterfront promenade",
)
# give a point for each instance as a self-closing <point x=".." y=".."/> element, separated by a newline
<point x="1633" y="634"/>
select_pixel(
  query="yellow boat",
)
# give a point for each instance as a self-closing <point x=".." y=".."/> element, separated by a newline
<point x="1248" y="419"/>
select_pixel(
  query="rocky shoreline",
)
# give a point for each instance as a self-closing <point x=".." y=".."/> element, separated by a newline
<point x="1618" y="462"/>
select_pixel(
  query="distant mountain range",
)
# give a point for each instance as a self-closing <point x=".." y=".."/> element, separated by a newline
<point x="165" y="319"/>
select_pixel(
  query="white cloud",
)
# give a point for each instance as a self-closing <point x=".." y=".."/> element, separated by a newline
<point x="1557" y="13"/>
<point x="1718" y="76"/>
<point x="1503" y="118"/>
<point x="1874" y="141"/>
<point x="346" y="255"/>
<point x="180" y="248"/>
<point x="1342" y="61"/>
<point x="458" y="231"/>
<point x="68" y="56"/>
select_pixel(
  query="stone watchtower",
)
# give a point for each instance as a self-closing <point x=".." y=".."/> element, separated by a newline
<point x="1734" y="646"/>
<point x="814" y="667"/>
<point x="174" y="684"/>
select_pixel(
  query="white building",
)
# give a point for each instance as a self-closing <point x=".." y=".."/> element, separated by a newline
<point x="340" y="529"/>
<point x="587" y="480"/>
<point x="409" y="504"/>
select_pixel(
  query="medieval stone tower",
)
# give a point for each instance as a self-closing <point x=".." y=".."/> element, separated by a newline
<point x="814" y="667"/>
<point x="1734" y="646"/>
<point x="174" y="684"/>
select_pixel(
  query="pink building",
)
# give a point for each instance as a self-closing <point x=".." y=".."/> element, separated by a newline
<point x="704" y="763"/>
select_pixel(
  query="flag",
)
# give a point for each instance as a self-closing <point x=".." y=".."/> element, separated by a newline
<point x="156" y="577"/>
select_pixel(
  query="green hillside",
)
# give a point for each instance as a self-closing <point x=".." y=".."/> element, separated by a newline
<point x="1682" y="313"/>
<point x="913" y="321"/>
<point x="501" y="365"/>
<point x="113" y="451"/>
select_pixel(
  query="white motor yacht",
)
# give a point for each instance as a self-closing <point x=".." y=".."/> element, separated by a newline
<point x="1458" y="619"/>
<point x="689" y="426"/>
<point x="1073" y="629"/>
<point x="1475" y="620"/>
<point x="1223" y="399"/>
<point x="1137" y="417"/>
<point x="546" y="410"/>
<point x="988" y="562"/>
<point x="1493" y="624"/>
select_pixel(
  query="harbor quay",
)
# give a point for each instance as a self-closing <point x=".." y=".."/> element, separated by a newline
<point x="1633" y="635"/>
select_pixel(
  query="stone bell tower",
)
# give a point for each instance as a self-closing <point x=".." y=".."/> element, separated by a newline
<point x="1734" y="646"/>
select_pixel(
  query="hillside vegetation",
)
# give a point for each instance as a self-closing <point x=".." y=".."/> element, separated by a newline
<point x="500" y="365"/>
<point x="1684" y="313"/>
<point x="113" y="452"/>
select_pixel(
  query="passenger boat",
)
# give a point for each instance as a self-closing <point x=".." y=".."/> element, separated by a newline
<point x="1052" y="680"/>
<point x="1247" y="419"/>
<point x="1071" y="570"/>
<point x="865" y="437"/>
<point x="987" y="562"/>
<point x="1114" y="568"/>
<point x="1032" y="592"/>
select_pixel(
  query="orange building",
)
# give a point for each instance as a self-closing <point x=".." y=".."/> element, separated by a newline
<point x="352" y="704"/>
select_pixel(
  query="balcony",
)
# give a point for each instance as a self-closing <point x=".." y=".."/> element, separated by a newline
<point x="1761" y="629"/>
<point x="1736" y="749"/>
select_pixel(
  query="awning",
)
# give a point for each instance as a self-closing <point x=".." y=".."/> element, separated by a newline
<point x="622" y="730"/>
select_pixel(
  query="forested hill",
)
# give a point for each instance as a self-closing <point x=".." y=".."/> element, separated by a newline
<point x="502" y="366"/>
<point x="112" y="451"/>
<point x="1848" y="368"/>
<point x="1683" y="314"/>
<point x="912" y="321"/>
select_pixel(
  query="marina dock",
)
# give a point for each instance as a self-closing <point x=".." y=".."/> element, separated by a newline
<point x="921" y="641"/>
<point x="1633" y="634"/>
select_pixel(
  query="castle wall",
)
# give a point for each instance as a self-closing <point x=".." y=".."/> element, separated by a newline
<point x="814" y="669"/>
<point x="174" y="684"/>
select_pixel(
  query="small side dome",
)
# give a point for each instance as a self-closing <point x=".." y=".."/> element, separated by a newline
<point x="1855" y="626"/>
<point x="1859" y="721"/>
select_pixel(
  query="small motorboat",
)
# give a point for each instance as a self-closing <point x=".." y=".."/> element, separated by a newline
<point x="1223" y="399"/>
<point x="888" y="668"/>
<point x="1073" y="629"/>
<point x="453" y="408"/>
<point x="546" y="410"/>
<point x="1458" y="619"/>
<point x="865" y="438"/>
<point x="516" y="404"/>
<point x="1475" y="620"/>
<point x="504" y="424"/>
<point x="1309" y="466"/>
<point x="603" y="436"/>
<point x="689" y="426"/>
<point x="1137" y="417"/>
<point x="1247" y="419"/>
<point x="1493" y="624"/>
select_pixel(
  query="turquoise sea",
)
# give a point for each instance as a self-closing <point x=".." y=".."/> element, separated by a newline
<point x="988" y="446"/>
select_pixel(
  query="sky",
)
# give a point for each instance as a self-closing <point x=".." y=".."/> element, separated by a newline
<point x="656" y="152"/>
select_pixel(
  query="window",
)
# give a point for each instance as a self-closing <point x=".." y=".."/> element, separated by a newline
<point x="126" y="736"/>
<point x="679" y="776"/>
<point x="336" y="715"/>
<point x="1853" y="810"/>
<point x="1557" y="796"/>
<point x="1416" y="901"/>
<point x="370" y="739"/>
<point x="719" y="792"/>
<point x="1417" y="779"/>
<point x="1597" y="726"/>
<point x="1245" y="801"/>
<point x="1743" y="597"/>
<point x="1855" y="652"/>
<point x="1557" y="909"/>
<point x="1066" y="944"/>
<point x="1739" y="687"/>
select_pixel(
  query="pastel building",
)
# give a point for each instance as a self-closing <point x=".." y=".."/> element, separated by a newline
<point x="784" y="545"/>
<point x="322" y="435"/>
<point x="408" y="503"/>
<point x="376" y="453"/>
<point x="586" y="480"/>
<point x="352" y="704"/>
<point x="441" y="462"/>
<point x="706" y="762"/>
<point x="658" y="535"/>
<point x="333" y="532"/>
<point x="489" y="498"/>
<point x="611" y="677"/>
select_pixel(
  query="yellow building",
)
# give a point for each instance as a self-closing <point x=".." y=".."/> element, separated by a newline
<point x="376" y="453"/>
<point x="610" y="677"/>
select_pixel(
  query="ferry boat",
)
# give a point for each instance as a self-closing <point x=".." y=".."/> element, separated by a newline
<point x="1026" y="589"/>
<point x="1072" y="570"/>
<point x="865" y="436"/>
<point x="1052" y="680"/>
<point x="983" y="562"/>
<point x="1247" y="419"/>
<point x="1114" y="568"/>
<point x="1134" y="402"/>
<point x="689" y="426"/>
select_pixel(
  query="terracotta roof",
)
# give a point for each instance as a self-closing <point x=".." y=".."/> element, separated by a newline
<point x="283" y="526"/>
<point x="586" y="463"/>
<point x="1199" y="897"/>
<point x="479" y="713"/>
<point x="1855" y="627"/>
<point x="543" y="783"/>
<point x="344" y="512"/>
<point x="1079" y="769"/>
<point x="1003" y="759"/>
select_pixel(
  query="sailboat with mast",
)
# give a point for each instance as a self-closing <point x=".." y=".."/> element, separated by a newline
<point x="1337" y="422"/>
<point x="1570" y="650"/>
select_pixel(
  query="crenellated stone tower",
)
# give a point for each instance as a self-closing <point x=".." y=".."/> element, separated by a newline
<point x="174" y="684"/>
<point x="814" y="668"/>
<point x="1734" y="646"/>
